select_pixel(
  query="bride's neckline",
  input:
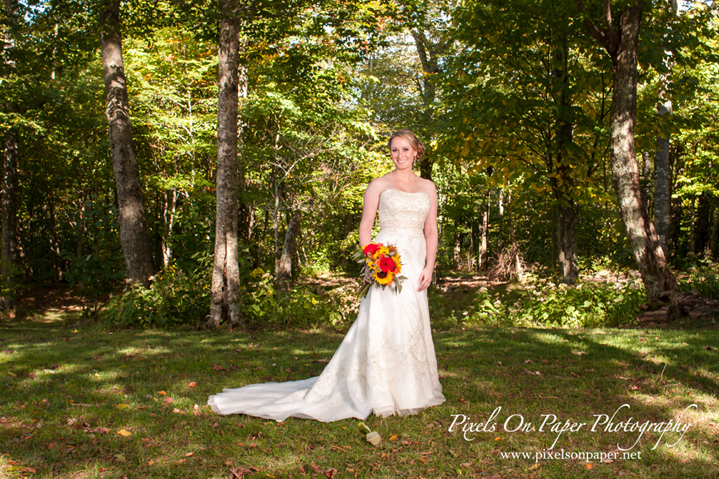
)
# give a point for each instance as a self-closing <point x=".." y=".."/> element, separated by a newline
<point x="402" y="191"/>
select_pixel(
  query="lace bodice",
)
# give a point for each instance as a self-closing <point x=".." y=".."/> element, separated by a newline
<point x="403" y="213"/>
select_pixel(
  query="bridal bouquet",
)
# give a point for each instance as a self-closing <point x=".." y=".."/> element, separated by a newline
<point x="384" y="265"/>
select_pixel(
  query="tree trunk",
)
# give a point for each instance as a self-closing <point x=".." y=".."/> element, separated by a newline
<point x="131" y="215"/>
<point x="457" y="252"/>
<point x="226" y="271"/>
<point x="8" y="266"/>
<point x="714" y="241"/>
<point x="567" y="241"/>
<point x="429" y="53"/>
<point x="500" y="221"/>
<point x="284" y="271"/>
<point x="168" y="217"/>
<point x="485" y="234"/>
<point x="662" y="210"/>
<point x="621" y="42"/>
<point x="562" y="182"/>
<point x="244" y="222"/>
<point x="702" y="230"/>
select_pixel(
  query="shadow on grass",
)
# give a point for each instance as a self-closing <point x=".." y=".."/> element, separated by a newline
<point x="67" y="394"/>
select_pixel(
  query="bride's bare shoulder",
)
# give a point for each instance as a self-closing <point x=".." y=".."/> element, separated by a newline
<point x="428" y="186"/>
<point x="378" y="185"/>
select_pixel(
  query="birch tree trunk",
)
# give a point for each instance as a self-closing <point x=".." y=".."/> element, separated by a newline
<point x="226" y="271"/>
<point x="485" y="233"/>
<point x="134" y="239"/>
<point x="621" y="41"/>
<point x="662" y="196"/>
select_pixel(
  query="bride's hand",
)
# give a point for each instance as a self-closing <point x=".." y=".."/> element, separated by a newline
<point x="367" y="275"/>
<point x="425" y="277"/>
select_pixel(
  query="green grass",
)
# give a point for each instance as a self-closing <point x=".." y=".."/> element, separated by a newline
<point x="67" y="392"/>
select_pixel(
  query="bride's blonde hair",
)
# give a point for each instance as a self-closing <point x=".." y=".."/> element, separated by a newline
<point x="411" y="139"/>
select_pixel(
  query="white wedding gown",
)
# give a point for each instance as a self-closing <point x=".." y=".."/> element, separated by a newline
<point x="386" y="363"/>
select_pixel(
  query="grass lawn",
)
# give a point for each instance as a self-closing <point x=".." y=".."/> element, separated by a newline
<point x="83" y="402"/>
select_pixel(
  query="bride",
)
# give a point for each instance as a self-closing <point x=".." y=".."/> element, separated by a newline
<point x="386" y="363"/>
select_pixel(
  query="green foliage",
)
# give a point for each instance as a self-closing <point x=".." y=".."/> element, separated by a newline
<point x="545" y="304"/>
<point x="174" y="298"/>
<point x="704" y="280"/>
<point x="300" y="307"/>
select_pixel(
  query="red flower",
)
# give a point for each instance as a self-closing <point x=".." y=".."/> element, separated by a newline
<point x="371" y="249"/>
<point x="387" y="264"/>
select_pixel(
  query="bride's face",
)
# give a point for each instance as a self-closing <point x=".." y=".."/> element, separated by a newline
<point x="402" y="153"/>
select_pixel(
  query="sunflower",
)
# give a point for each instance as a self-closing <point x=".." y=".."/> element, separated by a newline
<point x="383" y="278"/>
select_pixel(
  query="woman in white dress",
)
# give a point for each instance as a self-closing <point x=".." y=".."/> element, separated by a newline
<point x="386" y="363"/>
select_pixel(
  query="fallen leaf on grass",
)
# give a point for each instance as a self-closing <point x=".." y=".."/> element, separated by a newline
<point x="192" y="385"/>
<point x="392" y="438"/>
<point x="374" y="438"/>
<point x="124" y="433"/>
<point x="163" y="393"/>
<point x="709" y="348"/>
<point x="315" y="467"/>
<point x="122" y="406"/>
<point x="633" y="387"/>
<point x="589" y="466"/>
<point x="177" y="411"/>
<point x="120" y="458"/>
<point x="239" y="472"/>
<point x="167" y="400"/>
<point x="330" y="472"/>
<point x="606" y="460"/>
<point x="217" y="367"/>
<point x="189" y="454"/>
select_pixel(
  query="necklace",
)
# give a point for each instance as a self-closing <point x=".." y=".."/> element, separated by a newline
<point x="413" y="179"/>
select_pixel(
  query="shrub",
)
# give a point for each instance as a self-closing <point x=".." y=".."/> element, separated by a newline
<point x="704" y="280"/>
<point x="300" y="307"/>
<point x="546" y="304"/>
<point x="174" y="298"/>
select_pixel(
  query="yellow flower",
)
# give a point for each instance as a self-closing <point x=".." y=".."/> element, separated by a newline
<point x="383" y="278"/>
<point x="383" y="251"/>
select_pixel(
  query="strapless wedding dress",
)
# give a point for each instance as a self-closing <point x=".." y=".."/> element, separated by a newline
<point x="386" y="363"/>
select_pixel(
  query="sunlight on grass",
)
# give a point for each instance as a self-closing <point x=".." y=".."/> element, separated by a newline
<point x="480" y="369"/>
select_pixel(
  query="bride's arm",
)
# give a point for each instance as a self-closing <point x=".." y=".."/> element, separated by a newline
<point x="369" y="211"/>
<point x="431" y="236"/>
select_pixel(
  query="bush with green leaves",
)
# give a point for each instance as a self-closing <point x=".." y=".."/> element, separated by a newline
<point x="299" y="307"/>
<point x="174" y="298"/>
<point x="704" y="280"/>
<point x="545" y="304"/>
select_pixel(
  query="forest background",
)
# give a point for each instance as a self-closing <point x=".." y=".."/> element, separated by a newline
<point x="526" y="108"/>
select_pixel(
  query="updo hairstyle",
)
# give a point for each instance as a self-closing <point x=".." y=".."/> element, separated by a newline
<point x="411" y="139"/>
